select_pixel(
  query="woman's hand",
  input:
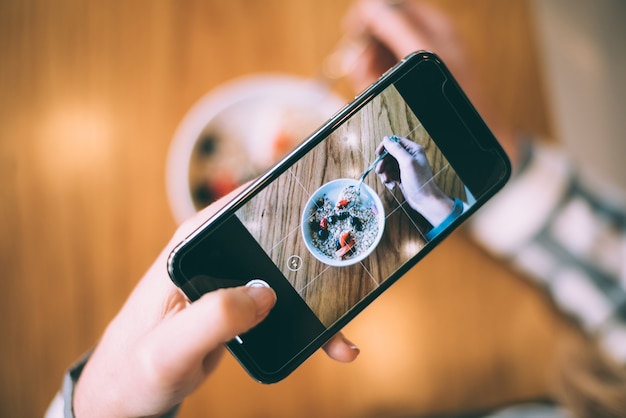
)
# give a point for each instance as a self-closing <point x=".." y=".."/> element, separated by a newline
<point x="406" y="166"/>
<point x="159" y="348"/>
<point x="396" y="29"/>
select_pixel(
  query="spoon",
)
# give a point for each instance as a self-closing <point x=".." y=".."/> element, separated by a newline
<point x="370" y="168"/>
<point x="382" y="155"/>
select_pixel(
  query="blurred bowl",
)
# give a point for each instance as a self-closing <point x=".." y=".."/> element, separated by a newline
<point x="239" y="130"/>
<point x="332" y="191"/>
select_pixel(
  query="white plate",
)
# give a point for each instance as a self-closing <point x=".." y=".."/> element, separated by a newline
<point x="248" y="112"/>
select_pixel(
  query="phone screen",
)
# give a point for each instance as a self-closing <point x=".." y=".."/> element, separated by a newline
<point x="326" y="239"/>
<point x="333" y="239"/>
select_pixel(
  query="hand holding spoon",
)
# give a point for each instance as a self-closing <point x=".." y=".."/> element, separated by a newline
<point x="382" y="155"/>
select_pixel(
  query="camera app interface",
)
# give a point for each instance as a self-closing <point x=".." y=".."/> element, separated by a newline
<point x="344" y="218"/>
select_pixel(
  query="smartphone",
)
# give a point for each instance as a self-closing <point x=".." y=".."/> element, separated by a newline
<point x="329" y="241"/>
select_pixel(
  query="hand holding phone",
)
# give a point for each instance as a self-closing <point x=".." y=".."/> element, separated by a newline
<point x="326" y="243"/>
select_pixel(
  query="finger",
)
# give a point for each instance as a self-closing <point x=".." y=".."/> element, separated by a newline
<point x="370" y="65"/>
<point x="353" y="22"/>
<point x="433" y="21"/>
<point x="393" y="28"/>
<point x="398" y="149"/>
<point x="380" y="148"/>
<point x="341" y="349"/>
<point x="387" y="167"/>
<point x="388" y="180"/>
<point x="177" y="347"/>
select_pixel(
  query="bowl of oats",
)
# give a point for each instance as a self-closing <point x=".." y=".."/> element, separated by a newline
<point x="343" y="222"/>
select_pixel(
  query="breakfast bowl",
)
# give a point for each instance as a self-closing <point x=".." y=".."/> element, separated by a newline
<point x="237" y="131"/>
<point x="343" y="222"/>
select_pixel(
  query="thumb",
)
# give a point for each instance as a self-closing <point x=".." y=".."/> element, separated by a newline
<point x="393" y="28"/>
<point x="178" y="346"/>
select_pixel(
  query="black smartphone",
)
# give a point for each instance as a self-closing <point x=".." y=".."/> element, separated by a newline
<point x="329" y="237"/>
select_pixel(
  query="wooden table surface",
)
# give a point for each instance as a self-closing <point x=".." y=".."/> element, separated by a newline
<point x="91" y="95"/>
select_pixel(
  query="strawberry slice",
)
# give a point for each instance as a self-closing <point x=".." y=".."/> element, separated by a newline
<point x="344" y="250"/>
<point x="344" y="239"/>
<point x="343" y="203"/>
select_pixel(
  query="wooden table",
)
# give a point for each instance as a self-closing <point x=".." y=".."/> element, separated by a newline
<point x="91" y="96"/>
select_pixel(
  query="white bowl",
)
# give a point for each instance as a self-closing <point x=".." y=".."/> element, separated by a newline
<point x="248" y="111"/>
<point x="332" y="190"/>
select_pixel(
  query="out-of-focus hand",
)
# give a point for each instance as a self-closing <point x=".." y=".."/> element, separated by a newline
<point x="159" y="348"/>
<point x="406" y="166"/>
<point x="396" y="29"/>
<point x="393" y="29"/>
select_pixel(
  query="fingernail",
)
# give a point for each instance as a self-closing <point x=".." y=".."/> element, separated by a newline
<point x="351" y="344"/>
<point x="263" y="297"/>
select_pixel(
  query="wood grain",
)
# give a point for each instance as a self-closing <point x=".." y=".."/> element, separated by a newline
<point x="91" y="94"/>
